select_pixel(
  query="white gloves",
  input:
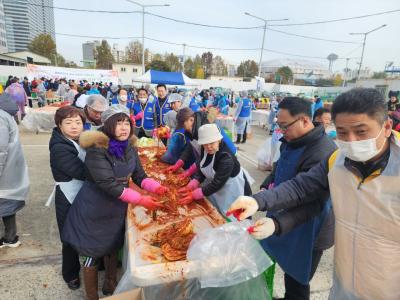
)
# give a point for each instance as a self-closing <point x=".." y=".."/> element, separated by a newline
<point x="263" y="228"/>
<point x="243" y="207"/>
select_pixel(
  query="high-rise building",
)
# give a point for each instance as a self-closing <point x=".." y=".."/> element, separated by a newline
<point x="88" y="50"/>
<point x="3" y="36"/>
<point x="26" y="19"/>
<point x="118" y="54"/>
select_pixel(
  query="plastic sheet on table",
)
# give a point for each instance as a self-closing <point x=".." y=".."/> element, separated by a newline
<point x="39" y="119"/>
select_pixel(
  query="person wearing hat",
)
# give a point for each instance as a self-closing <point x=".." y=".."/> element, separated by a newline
<point x="95" y="106"/>
<point x="96" y="220"/>
<point x="225" y="177"/>
<point x="180" y="138"/>
<point x="243" y="116"/>
<point x="393" y="104"/>
<point x="175" y="100"/>
<point x="144" y="114"/>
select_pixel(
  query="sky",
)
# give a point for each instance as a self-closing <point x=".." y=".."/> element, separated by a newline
<point x="382" y="46"/>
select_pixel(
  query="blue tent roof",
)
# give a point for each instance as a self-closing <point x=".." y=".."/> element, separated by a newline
<point x="166" y="77"/>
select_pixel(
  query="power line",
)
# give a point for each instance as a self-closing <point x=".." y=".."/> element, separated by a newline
<point x="311" y="37"/>
<point x="99" y="37"/>
<point x="339" y="20"/>
<point x="86" y="10"/>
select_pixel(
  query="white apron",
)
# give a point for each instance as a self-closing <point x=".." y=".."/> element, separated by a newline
<point x="232" y="189"/>
<point x="69" y="188"/>
<point x="367" y="232"/>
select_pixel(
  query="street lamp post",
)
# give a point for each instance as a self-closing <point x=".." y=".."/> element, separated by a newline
<point x="365" y="39"/>
<point x="263" y="39"/>
<point x="143" y="13"/>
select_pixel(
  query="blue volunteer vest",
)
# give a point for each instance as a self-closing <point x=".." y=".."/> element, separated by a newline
<point x="193" y="105"/>
<point x="161" y="111"/>
<point x="293" y="251"/>
<point x="147" y="122"/>
<point x="246" y="108"/>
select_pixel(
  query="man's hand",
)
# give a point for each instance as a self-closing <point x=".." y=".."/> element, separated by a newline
<point x="243" y="207"/>
<point x="263" y="228"/>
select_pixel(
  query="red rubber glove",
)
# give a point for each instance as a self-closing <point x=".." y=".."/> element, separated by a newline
<point x="189" y="172"/>
<point x="149" y="203"/>
<point x="162" y="190"/>
<point x="172" y="169"/>
<point x="190" y="196"/>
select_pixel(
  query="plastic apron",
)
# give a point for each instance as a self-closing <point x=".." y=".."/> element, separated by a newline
<point x="367" y="232"/>
<point x="69" y="188"/>
<point x="293" y="251"/>
<point x="232" y="189"/>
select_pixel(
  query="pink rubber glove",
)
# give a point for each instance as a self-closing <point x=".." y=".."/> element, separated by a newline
<point x="139" y="116"/>
<point x="189" y="172"/>
<point x="193" y="184"/>
<point x="190" y="196"/>
<point x="179" y="164"/>
<point x="150" y="185"/>
<point x="131" y="196"/>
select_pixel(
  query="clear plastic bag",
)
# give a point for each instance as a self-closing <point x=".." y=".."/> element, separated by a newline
<point x="227" y="255"/>
<point x="268" y="154"/>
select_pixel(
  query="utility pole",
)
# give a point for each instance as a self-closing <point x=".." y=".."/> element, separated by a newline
<point x="363" y="48"/>
<point x="263" y="38"/>
<point x="143" y="13"/>
<point x="183" y="57"/>
<point x="346" y="71"/>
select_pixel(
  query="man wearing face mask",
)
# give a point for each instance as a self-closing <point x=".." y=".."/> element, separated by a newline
<point x="362" y="178"/>
<point x="307" y="228"/>
<point x="144" y="114"/>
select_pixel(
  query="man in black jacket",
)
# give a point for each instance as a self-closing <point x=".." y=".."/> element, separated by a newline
<point x="303" y="146"/>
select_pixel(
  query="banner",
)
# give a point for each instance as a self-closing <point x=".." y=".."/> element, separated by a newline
<point x="91" y="75"/>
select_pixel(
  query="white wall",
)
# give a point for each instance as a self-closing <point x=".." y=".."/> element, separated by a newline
<point x="5" y="71"/>
<point x="126" y="72"/>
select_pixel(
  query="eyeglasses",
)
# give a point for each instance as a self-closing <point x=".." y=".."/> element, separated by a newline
<point x="286" y="127"/>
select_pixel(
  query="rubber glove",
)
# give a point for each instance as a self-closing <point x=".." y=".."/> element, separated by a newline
<point x="131" y="196"/>
<point x="179" y="164"/>
<point x="150" y="185"/>
<point x="189" y="172"/>
<point x="139" y="116"/>
<point x="263" y="228"/>
<point x="190" y="196"/>
<point x="243" y="207"/>
<point x="192" y="185"/>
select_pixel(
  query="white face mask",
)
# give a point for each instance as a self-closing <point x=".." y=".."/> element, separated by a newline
<point x="362" y="150"/>
<point x="143" y="100"/>
<point x="123" y="97"/>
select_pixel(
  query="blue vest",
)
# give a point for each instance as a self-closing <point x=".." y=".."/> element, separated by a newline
<point x="147" y="122"/>
<point x="114" y="99"/>
<point x="161" y="111"/>
<point x="193" y="105"/>
<point x="228" y="141"/>
<point x="293" y="251"/>
<point x="246" y="108"/>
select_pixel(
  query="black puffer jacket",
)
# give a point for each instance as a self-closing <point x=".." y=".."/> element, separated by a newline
<point x="225" y="166"/>
<point x="64" y="162"/>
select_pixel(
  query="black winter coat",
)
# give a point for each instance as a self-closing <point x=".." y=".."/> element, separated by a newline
<point x="95" y="224"/>
<point x="318" y="148"/>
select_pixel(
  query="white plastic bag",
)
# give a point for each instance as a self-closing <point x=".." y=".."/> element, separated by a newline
<point x="227" y="255"/>
<point x="268" y="153"/>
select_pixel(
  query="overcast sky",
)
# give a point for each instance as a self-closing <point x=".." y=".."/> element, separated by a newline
<point x="382" y="46"/>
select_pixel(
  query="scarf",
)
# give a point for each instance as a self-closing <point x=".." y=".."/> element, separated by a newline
<point x="117" y="148"/>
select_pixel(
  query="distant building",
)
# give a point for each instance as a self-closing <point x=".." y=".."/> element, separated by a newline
<point x="126" y="72"/>
<point x="364" y="73"/>
<point x="24" y="20"/>
<point x="118" y="54"/>
<point x="88" y="50"/>
<point x="3" y="35"/>
<point x="148" y="56"/>
<point x="232" y="70"/>
<point x="301" y="68"/>
<point x="29" y="57"/>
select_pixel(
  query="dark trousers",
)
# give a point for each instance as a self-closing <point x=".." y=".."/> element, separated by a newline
<point x="70" y="258"/>
<point x="10" y="228"/>
<point x="294" y="290"/>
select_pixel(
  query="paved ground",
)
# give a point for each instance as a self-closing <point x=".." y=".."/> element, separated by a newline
<point x="32" y="271"/>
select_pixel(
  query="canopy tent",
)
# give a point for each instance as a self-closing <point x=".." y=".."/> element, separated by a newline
<point x="172" y="78"/>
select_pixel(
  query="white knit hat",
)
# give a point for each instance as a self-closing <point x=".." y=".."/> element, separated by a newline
<point x="209" y="133"/>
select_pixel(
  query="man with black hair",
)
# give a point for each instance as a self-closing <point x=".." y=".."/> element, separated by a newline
<point x="306" y="228"/>
<point x="362" y="178"/>
<point x="162" y="103"/>
<point x="322" y="116"/>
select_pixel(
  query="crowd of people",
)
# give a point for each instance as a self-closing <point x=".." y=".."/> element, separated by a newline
<point x="325" y="189"/>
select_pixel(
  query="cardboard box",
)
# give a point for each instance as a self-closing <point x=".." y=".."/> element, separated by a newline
<point x="136" y="294"/>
